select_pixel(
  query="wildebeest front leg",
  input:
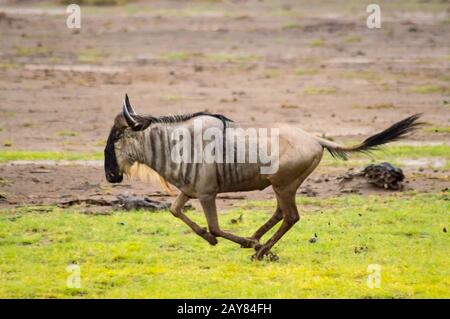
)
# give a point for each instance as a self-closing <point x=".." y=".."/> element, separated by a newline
<point x="209" y="207"/>
<point x="177" y="210"/>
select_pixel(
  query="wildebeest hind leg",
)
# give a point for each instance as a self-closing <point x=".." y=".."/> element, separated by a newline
<point x="286" y="201"/>
<point x="177" y="210"/>
<point x="275" y="219"/>
<point x="209" y="207"/>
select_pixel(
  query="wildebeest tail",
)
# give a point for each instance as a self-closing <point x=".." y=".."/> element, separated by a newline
<point x="393" y="133"/>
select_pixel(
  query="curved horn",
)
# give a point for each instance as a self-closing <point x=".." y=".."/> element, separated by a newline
<point x="129" y="107"/>
<point x="128" y="117"/>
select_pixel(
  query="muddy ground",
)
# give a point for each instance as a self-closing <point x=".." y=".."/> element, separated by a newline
<point x="315" y="65"/>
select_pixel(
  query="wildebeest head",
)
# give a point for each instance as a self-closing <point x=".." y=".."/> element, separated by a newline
<point x="117" y="160"/>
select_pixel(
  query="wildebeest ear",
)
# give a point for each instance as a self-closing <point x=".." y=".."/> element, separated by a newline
<point x="120" y="122"/>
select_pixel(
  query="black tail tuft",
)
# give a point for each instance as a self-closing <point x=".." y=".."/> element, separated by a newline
<point x="395" y="132"/>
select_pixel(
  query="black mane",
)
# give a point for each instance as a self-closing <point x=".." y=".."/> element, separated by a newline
<point x="147" y="120"/>
<point x="185" y="117"/>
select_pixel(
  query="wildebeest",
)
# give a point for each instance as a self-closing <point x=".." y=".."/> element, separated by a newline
<point x="146" y="141"/>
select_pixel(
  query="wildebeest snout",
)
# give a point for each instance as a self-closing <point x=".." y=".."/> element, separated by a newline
<point x="113" y="177"/>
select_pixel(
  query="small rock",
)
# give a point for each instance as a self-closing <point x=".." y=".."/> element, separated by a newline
<point x="198" y="68"/>
<point x="313" y="239"/>
<point x="359" y="250"/>
<point x="308" y="192"/>
<point x="236" y="220"/>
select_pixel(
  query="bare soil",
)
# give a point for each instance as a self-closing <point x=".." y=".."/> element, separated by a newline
<point x="44" y="184"/>
<point x="315" y="65"/>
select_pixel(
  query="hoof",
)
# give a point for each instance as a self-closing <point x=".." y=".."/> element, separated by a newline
<point x="211" y="239"/>
<point x="268" y="255"/>
<point x="272" y="257"/>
